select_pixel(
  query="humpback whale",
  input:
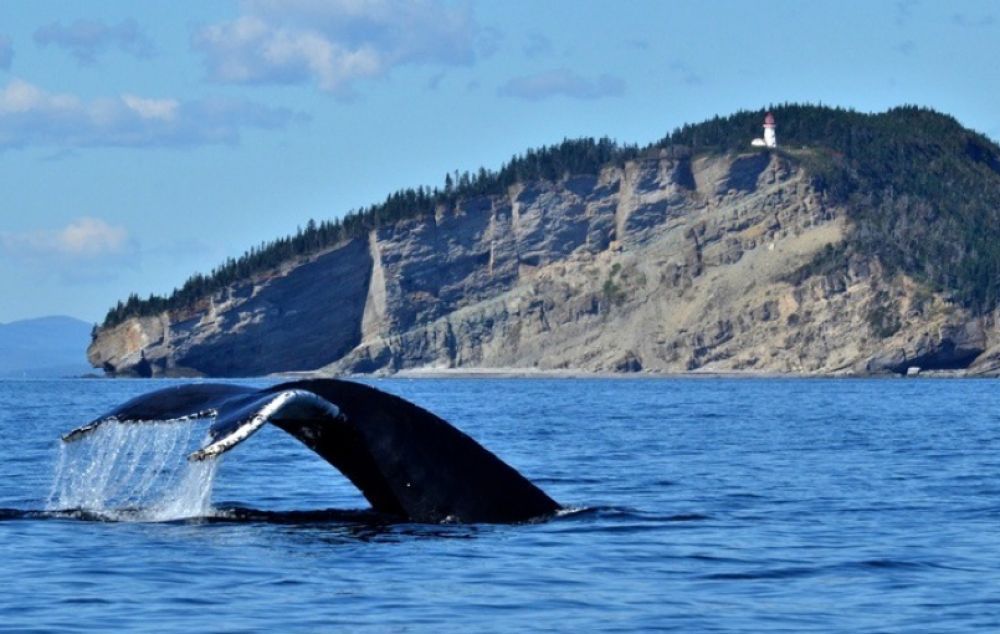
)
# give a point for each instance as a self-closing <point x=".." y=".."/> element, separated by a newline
<point x="406" y="461"/>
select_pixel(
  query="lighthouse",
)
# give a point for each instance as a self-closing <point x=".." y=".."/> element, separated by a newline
<point x="769" y="139"/>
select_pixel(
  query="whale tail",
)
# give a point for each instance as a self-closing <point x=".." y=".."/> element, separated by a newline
<point x="405" y="460"/>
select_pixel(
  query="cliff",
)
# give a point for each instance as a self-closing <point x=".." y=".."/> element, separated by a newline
<point x="669" y="262"/>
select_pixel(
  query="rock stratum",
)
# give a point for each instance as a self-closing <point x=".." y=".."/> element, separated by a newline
<point x="672" y="262"/>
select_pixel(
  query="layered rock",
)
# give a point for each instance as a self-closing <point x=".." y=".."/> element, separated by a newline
<point x="304" y="315"/>
<point x="667" y="264"/>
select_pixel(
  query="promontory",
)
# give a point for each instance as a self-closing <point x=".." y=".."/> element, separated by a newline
<point x="854" y="244"/>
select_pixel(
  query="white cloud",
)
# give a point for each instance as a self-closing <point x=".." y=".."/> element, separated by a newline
<point x="163" y="109"/>
<point x="19" y="97"/>
<point x="335" y="43"/>
<point x="84" y="251"/>
<point x="90" y="237"/>
<point x="83" y="238"/>
<point x="562" y="82"/>
<point x="30" y="115"/>
<point x="87" y="39"/>
<point x="248" y="50"/>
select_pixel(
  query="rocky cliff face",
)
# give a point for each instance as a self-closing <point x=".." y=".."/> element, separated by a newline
<point x="669" y="264"/>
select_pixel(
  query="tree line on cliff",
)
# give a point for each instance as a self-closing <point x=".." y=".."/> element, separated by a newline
<point x="572" y="156"/>
<point x="922" y="191"/>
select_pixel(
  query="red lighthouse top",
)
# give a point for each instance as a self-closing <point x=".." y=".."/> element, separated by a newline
<point x="769" y="120"/>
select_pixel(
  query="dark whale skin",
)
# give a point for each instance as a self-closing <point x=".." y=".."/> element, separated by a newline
<point x="406" y="461"/>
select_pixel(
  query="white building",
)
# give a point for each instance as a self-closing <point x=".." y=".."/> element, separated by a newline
<point x="769" y="140"/>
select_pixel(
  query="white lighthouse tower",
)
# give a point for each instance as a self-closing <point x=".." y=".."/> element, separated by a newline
<point x="770" y="140"/>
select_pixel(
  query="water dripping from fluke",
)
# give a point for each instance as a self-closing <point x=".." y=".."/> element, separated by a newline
<point x="129" y="472"/>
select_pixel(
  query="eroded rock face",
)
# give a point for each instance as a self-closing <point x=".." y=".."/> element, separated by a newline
<point x="306" y="316"/>
<point x="668" y="264"/>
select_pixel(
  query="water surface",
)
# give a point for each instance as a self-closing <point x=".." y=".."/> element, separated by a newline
<point x="703" y="505"/>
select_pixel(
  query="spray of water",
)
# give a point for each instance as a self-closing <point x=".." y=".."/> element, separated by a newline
<point x="129" y="471"/>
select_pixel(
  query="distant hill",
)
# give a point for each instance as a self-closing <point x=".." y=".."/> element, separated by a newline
<point x="44" y="347"/>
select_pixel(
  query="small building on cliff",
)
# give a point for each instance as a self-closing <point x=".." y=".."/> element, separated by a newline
<point x="770" y="139"/>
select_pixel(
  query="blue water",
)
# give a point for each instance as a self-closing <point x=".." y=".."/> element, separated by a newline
<point x="706" y="505"/>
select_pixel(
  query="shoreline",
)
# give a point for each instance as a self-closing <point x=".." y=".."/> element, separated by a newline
<point x="537" y="373"/>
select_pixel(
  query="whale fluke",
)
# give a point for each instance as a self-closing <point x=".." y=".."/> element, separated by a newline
<point x="406" y="461"/>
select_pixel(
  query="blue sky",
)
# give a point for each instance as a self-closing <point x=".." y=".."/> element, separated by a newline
<point x="143" y="141"/>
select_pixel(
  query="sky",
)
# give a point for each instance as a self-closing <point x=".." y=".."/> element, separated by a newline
<point x="141" y="142"/>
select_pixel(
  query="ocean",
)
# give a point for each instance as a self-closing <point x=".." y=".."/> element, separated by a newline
<point x="697" y="505"/>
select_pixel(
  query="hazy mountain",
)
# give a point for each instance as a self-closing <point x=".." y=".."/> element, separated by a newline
<point x="44" y="347"/>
